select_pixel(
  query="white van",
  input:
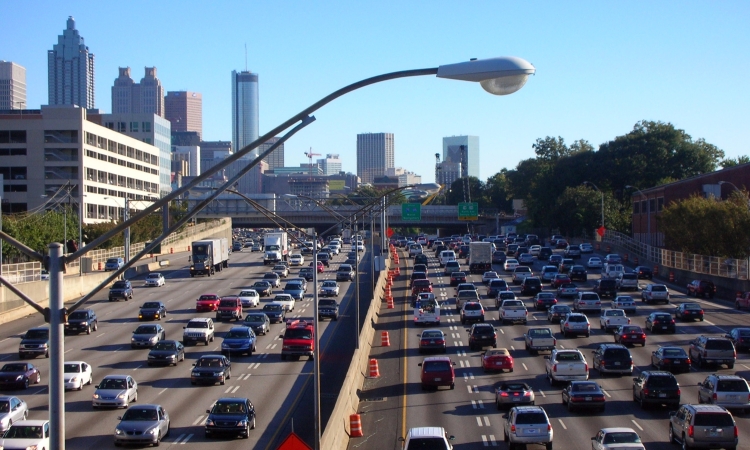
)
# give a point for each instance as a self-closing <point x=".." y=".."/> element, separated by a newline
<point x="445" y="256"/>
<point x="613" y="270"/>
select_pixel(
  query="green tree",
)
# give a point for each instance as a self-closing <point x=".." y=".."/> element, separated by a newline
<point x="455" y="194"/>
<point x="733" y="162"/>
<point x="497" y="192"/>
<point x="578" y="212"/>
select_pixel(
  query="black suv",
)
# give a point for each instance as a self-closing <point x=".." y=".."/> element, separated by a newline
<point x="482" y="335"/>
<point x="579" y="273"/>
<point x="544" y="253"/>
<point x="231" y="416"/>
<point x="656" y="387"/>
<point x="606" y="287"/>
<point x="420" y="259"/>
<point x="328" y="308"/>
<point x="80" y="321"/>
<point x="325" y="258"/>
<point x="121" y="290"/>
<point x="613" y="358"/>
<point x="531" y="286"/>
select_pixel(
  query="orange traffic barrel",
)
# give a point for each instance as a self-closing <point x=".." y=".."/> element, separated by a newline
<point x="671" y="277"/>
<point x="374" y="371"/>
<point x="355" y="426"/>
<point x="385" y="340"/>
<point x="625" y="257"/>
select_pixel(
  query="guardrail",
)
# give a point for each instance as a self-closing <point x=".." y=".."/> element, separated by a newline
<point x="738" y="269"/>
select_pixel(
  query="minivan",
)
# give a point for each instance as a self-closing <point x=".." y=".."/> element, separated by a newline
<point x="446" y="256"/>
<point x="451" y="266"/>
<point x="437" y="371"/>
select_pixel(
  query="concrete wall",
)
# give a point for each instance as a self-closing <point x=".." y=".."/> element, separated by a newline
<point x="336" y="434"/>
<point x="12" y="307"/>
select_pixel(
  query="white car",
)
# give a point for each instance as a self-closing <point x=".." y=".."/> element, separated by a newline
<point x="45" y="275"/>
<point x="488" y="276"/>
<point x="335" y="249"/>
<point x="624" y="302"/>
<point x="548" y="273"/>
<point x="155" y="279"/>
<point x="329" y="288"/>
<point x="594" y="263"/>
<point x="510" y="264"/>
<point x="436" y="437"/>
<point x="286" y="300"/>
<point x="587" y="248"/>
<point x="249" y="298"/>
<point x="297" y="260"/>
<point x="535" y="249"/>
<point x="27" y="434"/>
<point x="76" y="374"/>
<point x="616" y="438"/>
<point x="360" y="246"/>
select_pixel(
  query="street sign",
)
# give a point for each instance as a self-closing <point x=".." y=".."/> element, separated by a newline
<point x="411" y="211"/>
<point x="468" y="211"/>
<point x="389" y="232"/>
<point x="600" y="231"/>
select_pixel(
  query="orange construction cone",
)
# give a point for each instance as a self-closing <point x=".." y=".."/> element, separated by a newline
<point x="374" y="372"/>
<point x="385" y="340"/>
<point x="355" y="426"/>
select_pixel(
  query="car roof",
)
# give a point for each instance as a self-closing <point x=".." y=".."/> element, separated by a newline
<point x="116" y="377"/>
<point x="36" y="423"/>
<point x="617" y="430"/>
<point x="437" y="358"/>
<point x="424" y="432"/>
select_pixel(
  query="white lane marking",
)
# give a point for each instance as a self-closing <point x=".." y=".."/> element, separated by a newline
<point x="476" y="389"/>
<point x="471" y="374"/>
<point x="39" y="391"/>
<point x="493" y="441"/>
<point x="5" y="357"/>
<point x="99" y="335"/>
<point x="461" y="343"/>
<point x="138" y="367"/>
<point x="462" y="364"/>
<point x="745" y="366"/>
<point x="66" y="351"/>
<point x="254" y="366"/>
<point x="484" y="441"/>
<point x="606" y="393"/>
<point x="4" y="339"/>
<point x="481" y="404"/>
<point x="524" y="366"/>
<point x="512" y="348"/>
<point x="264" y="355"/>
<point x="501" y="331"/>
<point x="636" y="424"/>
<point x="486" y="421"/>
<point x="186" y="439"/>
<point x="563" y="424"/>
<point x="268" y="346"/>
<point x="195" y="422"/>
<point x="455" y="343"/>
<point x="468" y="388"/>
<point x="479" y="421"/>
<point x="562" y="346"/>
<point x="236" y="388"/>
<point x="117" y="349"/>
<point x="474" y="404"/>
<point x="462" y="352"/>
<point x="542" y="392"/>
<point x="226" y="391"/>
<point x="466" y="378"/>
<point x="162" y="391"/>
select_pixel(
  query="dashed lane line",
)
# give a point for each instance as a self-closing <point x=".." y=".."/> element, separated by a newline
<point x="636" y="424"/>
<point x="524" y="366"/>
<point x="562" y="424"/>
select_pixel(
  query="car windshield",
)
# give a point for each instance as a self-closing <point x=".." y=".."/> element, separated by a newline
<point x="472" y="307"/>
<point x="72" y="368"/>
<point x="145" y="329"/>
<point x="513" y="387"/>
<point x="23" y="432"/>
<point x="150" y="305"/>
<point x="254" y="318"/>
<point x="506" y="295"/>
<point x="569" y="356"/>
<point x="112" y="261"/>
<point x="329" y="284"/>
<point x="272" y="308"/>
<point x="163" y="345"/>
<point x="298" y="333"/>
<point x="113" y="383"/>
<point x="209" y="362"/>
<point x="432" y="334"/>
<point x="14" y="368"/>
<point x="624" y="299"/>
<point x="208" y="297"/>
<point x="228" y="302"/>
<point x="732" y="386"/>
<point x="283" y="298"/>
<point x="120" y="285"/>
<point x="37" y="334"/>
<point x="78" y="315"/>
<point x="692" y="306"/>
<point x="561" y="309"/>
<point x="662" y="317"/>
<point x="270" y="276"/>
<point x="617" y="353"/>
<point x="326" y="302"/>
<point x="657" y="288"/>
<point x="4" y="406"/>
<point x="138" y="414"/>
<point x="436" y="366"/>
<point x="616" y="313"/>
<point x="197" y="325"/>
<point x="576" y="319"/>
<point x="229" y="408"/>
<point x="428" y="443"/>
<point x="235" y="334"/>
<point x="674" y="352"/>
<point x="662" y="381"/>
<point x="153" y="275"/>
<point x="622" y="437"/>
<point x="249" y="293"/>
<point x="531" y="418"/>
<point x="261" y="284"/>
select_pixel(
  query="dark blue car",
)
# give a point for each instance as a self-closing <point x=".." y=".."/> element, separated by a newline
<point x="239" y="340"/>
<point x="231" y="417"/>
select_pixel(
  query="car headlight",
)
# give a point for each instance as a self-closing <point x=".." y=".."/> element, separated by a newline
<point x="132" y="339"/>
<point x="192" y="267"/>
<point x="218" y="374"/>
<point x="172" y="356"/>
<point x="195" y="374"/>
<point x="154" y="357"/>
<point x="19" y="378"/>
<point x="209" y="422"/>
<point x="153" y="339"/>
<point x="243" y="423"/>
<point x="153" y="431"/>
<point x="84" y="323"/>
<point x="119" y="432"/>
<point x="224" y="345"/>
<point x="74" y="379"/>
<point x="96" y="395"/>
<point x="121" y="395"/>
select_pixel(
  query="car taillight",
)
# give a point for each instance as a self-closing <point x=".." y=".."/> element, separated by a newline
<point x="715" y="397"/>
<point x="672" y="321"/>
<point x="691" y="430"/>
<point x="587" y="366"/>
<point x="628" y="321"/>
<point x="554" y="368"/>
<point x="667" y="361"/>
<point x="705" y="353"/>
<point x="503" y="394"/>
<point x="734" y="354"/>
<point x="679" y="391"/>
<point x="646" y="391"/>
<point x="549" y="428"/>
<point x="601" y="363"/>
<point x="607" y="321"/>
<point x="554" y="340"/>
<point x="690" y="362"/>
<point x="423" y="342"/>
<point x="527" y="394"/>
<point x="643" y="335"/>
<point x="512" y="428"/>
<point x="736" y="432"/>
<point x="440" y="341"/>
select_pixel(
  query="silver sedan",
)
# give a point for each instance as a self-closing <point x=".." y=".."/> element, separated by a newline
<point x="12" y="409"/>
<point x="142" y="424"/>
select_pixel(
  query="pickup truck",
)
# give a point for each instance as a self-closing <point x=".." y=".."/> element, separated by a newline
<point x="653" y="293"/>
<point x="566" y="365"/>
<point x="742" y="300"/>
<point x="426" y="310"/>
<point x="513" y="311"/>
<point x="539" y="339"/>
<point x="465" y="296"/>
<point x="612" y="318"/>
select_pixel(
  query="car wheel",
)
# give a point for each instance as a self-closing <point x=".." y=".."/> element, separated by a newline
<point x="253" y="426"/>
<point x="135" y="397"/>
<point x="158" y="440"/>
<point x="685" y="445"/>
<point x="548" y="446"/>
<point x="497" y="404"/>
<point x="453" y="386"/>
<point x="640" y="401"/>
<point x="26" y="383"/>
<point x="672" y="440"/>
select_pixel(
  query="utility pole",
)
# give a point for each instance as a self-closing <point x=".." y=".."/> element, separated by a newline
<point x="126" y="233"/>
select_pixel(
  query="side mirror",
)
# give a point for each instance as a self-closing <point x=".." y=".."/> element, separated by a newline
<point x="635" y="379"/>
<point x="401" y="439"/>
<point x="96" y="387"/>
<point x="208" y="411"/>
<point x="119" y="417"/>
<point x="505" y="416"/>
<point x="593" y="438"/>
<point x="420" y="364"/>
<point x="672" y="413"/>
<point x="451" y="438"/>
<point x="193" y="364"/>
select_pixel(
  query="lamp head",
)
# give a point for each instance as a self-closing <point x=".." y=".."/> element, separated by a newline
<point x="500" y="76"/>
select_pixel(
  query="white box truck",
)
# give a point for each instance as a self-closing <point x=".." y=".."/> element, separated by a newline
<point x="275" y="247"/>
<point x="209" y="256"/>
<point x="480" y="257"/>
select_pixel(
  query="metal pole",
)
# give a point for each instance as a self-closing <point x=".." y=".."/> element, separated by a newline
<point x="356" y="282"/>
<point x="602" y="192"/>
<point x="372" y="252"/>
<point x="648" y="219"/>
<point x="316" y="349"/>
<point x="56" y="348"/>
<point x="126" y="233"/>
<point x="80" y="228"/>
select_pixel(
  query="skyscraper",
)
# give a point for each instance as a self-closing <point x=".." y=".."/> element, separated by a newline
<point x="468" y="157"/>
<point x="70" y="70"/>
<point x="244" y="110"/>
<point x="129" y="97"/>
<point x="331" y="165"/>
<point x="185" y="110"/>
<point x="12" y="86"/>
<point x="374" y="155"/>
<point x="276" y="158"/>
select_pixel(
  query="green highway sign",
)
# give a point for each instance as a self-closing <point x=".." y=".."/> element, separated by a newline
<point x="411" y="211"/>
<point x="468" y="211"/>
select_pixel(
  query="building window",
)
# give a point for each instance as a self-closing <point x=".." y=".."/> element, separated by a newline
<point x="112" y="160"/>
<point x="121" y="127"/>
<point x="636" y="207"/>
<point x="120" y="149"/>
<point x="101" y="191"/>
<point x="133" y="127"/>
<point x="91" y="189"/>
<point x="660" y="204"/>
<point x="60" y="154"/>
<point x="112" y="146"/>
<point x="652" y="205"/>
<point x="643" y="207"/>
<point x="146" y="127"/>
<point x="12" y="151"/>
<point x="15" y="188"/>
<point x="131" y="152"/>
<point x="12" y="136"/>
<point x="61" y="137"/>
<point x="90" y="174"/>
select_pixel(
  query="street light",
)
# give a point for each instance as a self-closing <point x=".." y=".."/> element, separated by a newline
<point x="597" y="188"/>
<point x="648" y="211"/>
<point x="499" y="76"/>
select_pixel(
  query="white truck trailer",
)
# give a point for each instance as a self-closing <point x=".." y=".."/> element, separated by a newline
<point x="480" y="257"/>
<point x="275" y="247"/>
<point x="209" y="256"/>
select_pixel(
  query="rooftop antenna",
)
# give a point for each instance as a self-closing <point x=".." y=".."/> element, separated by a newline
<point x="245" y="56"/>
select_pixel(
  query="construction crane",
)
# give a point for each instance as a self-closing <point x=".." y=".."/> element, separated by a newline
<point x="310" y="155"/>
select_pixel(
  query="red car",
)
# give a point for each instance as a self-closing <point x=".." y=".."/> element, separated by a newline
<point x="497" y="359"/>
<point x="419" y="286"/>
<point x="701" y="288"/>
<point x="321" y="267"/>
<point x="559" y="280"/>
<point x="437" y="371"/>
<point x="207" y="302"/>
<point x="19" y="375"/>
<point x="630" y="334"/>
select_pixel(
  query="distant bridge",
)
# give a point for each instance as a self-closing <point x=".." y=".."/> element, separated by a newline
<point x="308" y="214"/>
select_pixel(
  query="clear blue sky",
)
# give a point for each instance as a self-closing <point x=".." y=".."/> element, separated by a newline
<point x="601" y="67"/>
